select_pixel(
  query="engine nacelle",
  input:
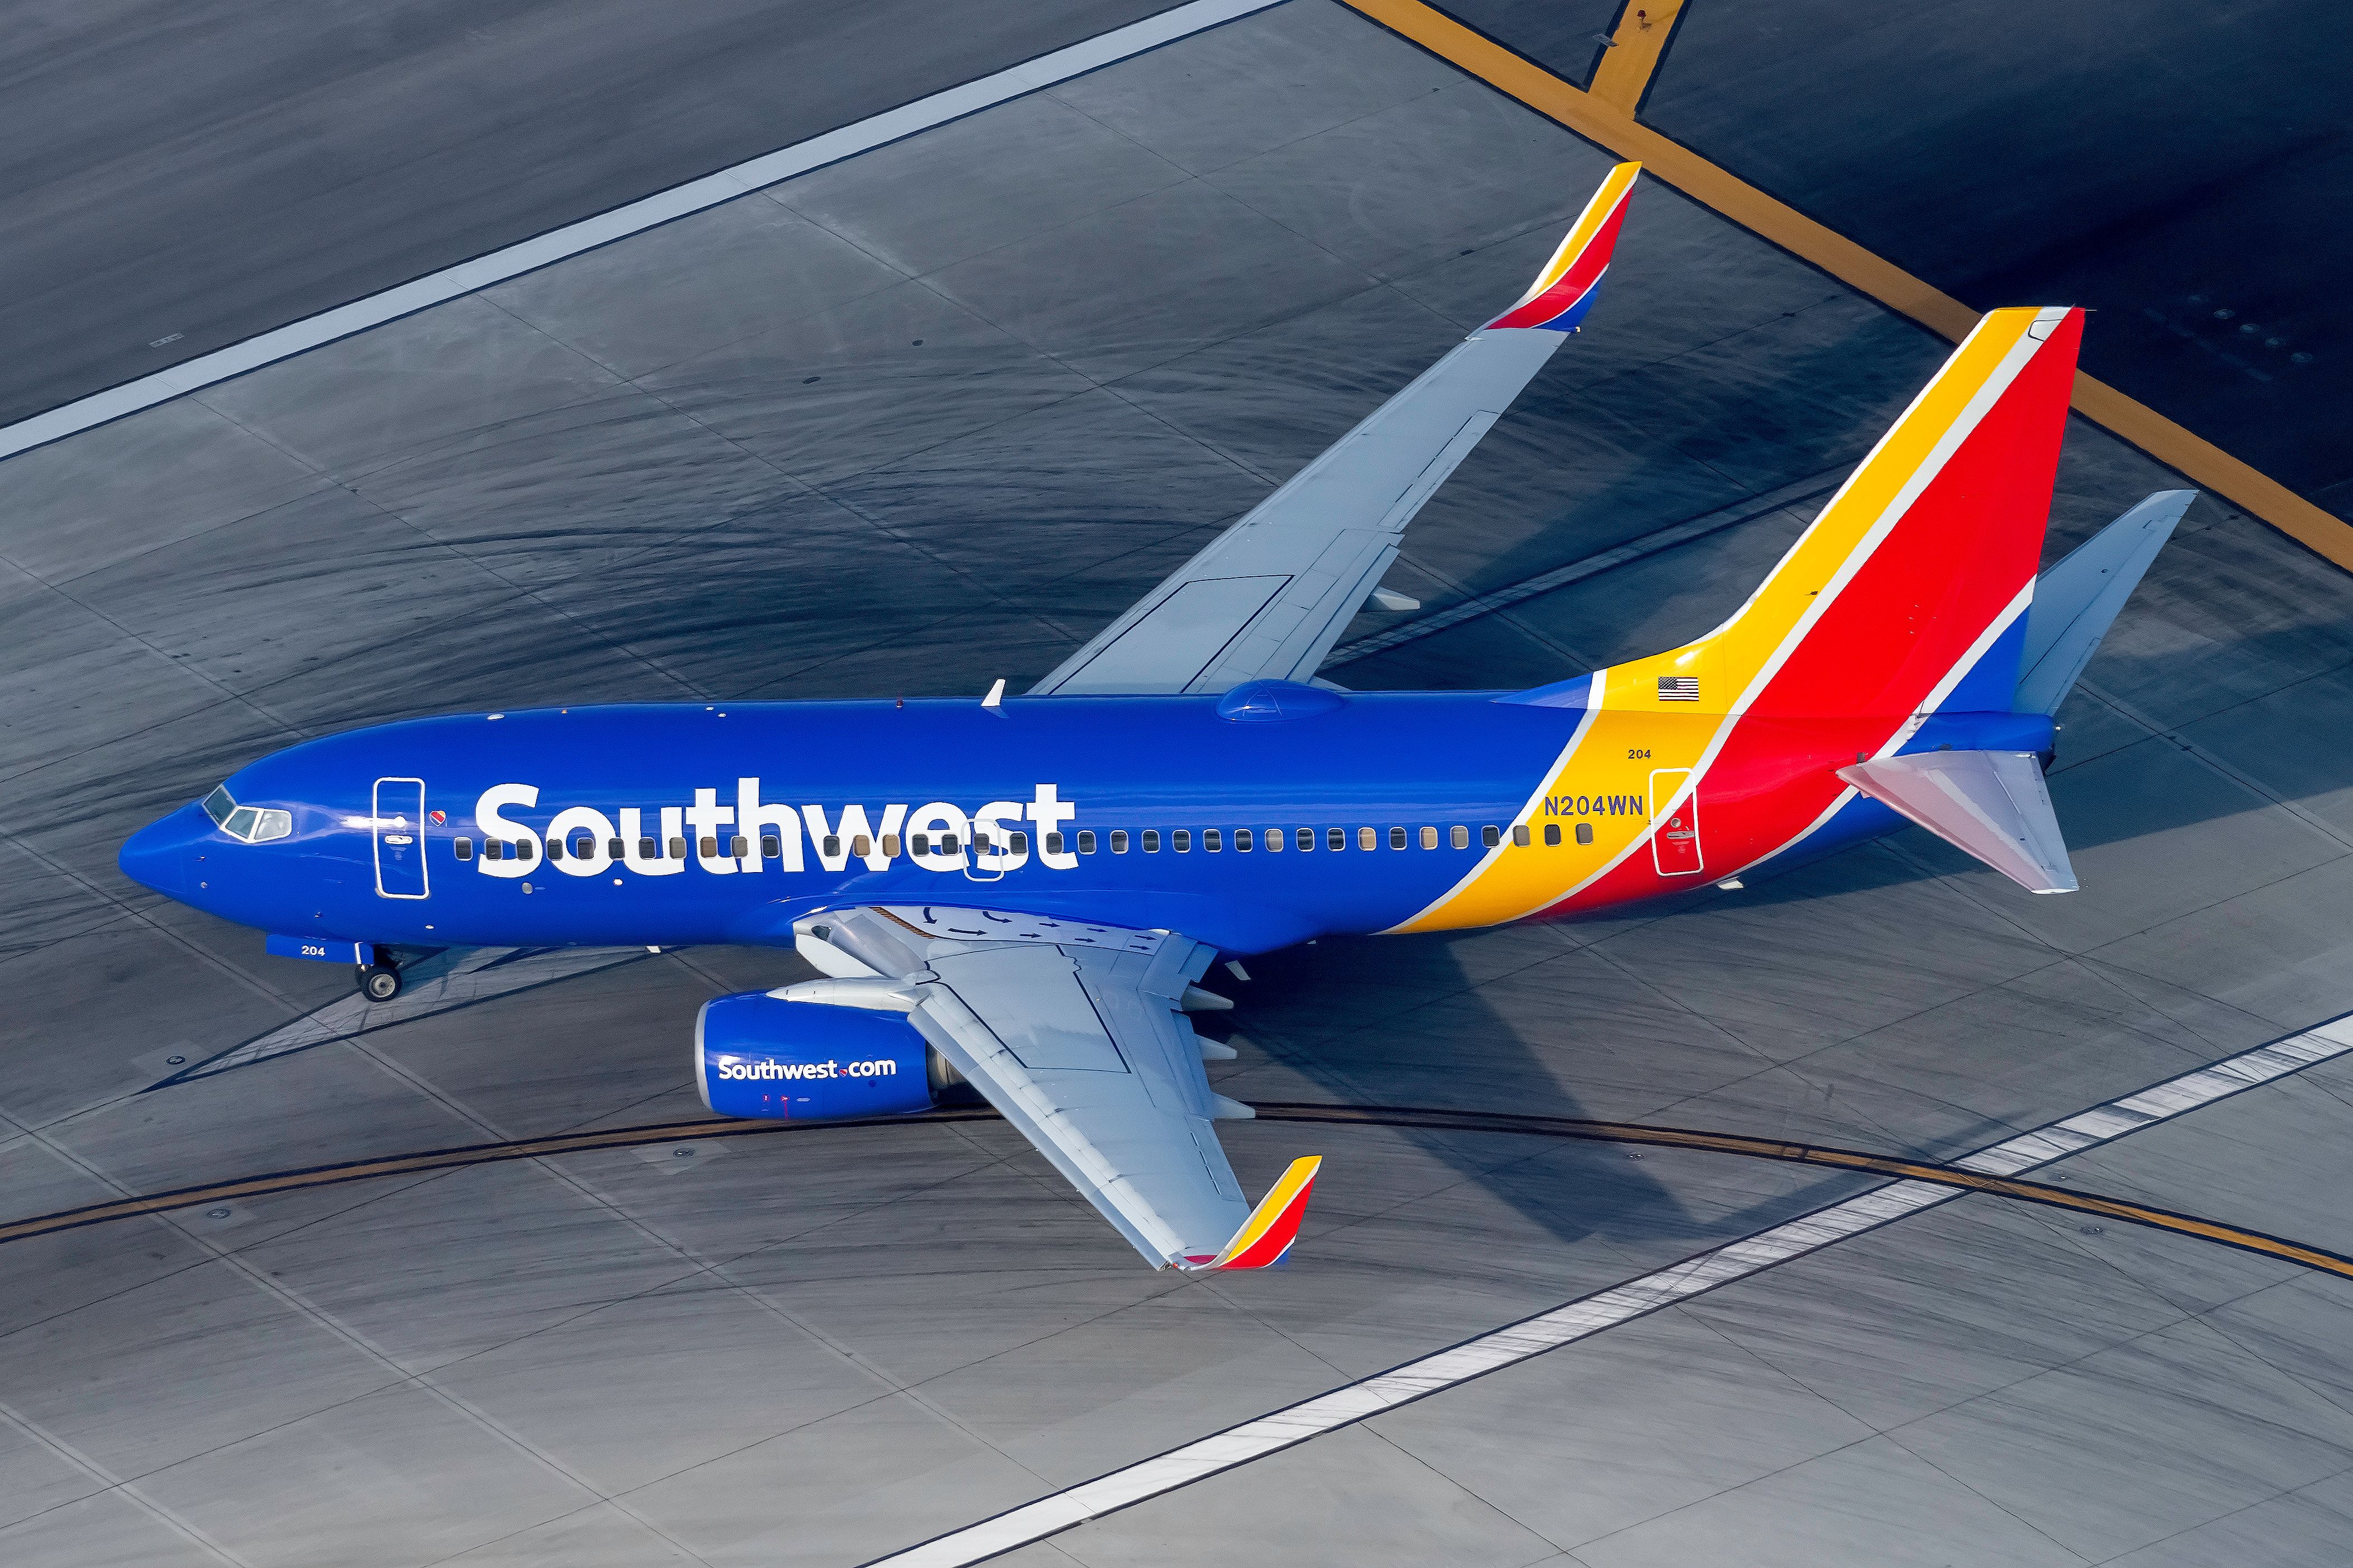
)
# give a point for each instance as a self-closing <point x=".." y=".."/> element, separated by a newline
<point x="758" y="1056"/>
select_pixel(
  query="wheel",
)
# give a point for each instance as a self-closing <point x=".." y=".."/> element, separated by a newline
<point x="379" y="982"/>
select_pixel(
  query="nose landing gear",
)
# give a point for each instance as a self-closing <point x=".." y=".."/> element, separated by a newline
<point x="379" y="982"/>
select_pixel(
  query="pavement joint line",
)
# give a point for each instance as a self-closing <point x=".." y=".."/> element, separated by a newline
<point x="1615" y="128"/>
<point x="1997" y="1166"/>
<point x="679" y="201"/>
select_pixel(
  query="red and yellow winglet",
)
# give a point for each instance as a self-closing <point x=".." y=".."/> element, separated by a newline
<point x="1562" y="293"/>
<point x="1274" y="1225"/>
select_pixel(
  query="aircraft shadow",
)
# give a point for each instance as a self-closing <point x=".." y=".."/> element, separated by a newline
<point x="1399" y="1021"/>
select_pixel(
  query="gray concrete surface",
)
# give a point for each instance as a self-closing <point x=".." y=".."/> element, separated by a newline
<point x="2162" y="166"/>
<point x="202" y="172"/>
<point x="1142" y="300"/>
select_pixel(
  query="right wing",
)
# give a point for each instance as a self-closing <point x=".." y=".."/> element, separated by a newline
<point x="1268" y="597"/>
<point x="1077" y="1034"/>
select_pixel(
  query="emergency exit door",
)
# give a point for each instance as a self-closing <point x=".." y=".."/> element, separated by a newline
<point x="1675" y="836"/>
<point x="400" y="828"/>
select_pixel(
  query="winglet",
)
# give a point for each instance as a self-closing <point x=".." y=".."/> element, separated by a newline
<point x="1266" y="1236"/>
<point x="1563" y="290"/>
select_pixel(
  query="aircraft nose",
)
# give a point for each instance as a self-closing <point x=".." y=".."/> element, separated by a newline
<point x="157" y="855"/>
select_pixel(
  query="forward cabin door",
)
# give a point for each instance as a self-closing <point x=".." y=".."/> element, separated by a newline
<point x="399" y="813"/>
<point x="1674" y="842"/>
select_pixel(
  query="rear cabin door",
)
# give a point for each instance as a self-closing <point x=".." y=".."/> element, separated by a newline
<point x="1674" y="839"/>
<point x="399" y="813"/>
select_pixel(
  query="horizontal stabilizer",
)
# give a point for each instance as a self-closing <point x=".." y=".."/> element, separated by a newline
<point x="2076" y="601"/>
<point x="1266" y="1236"/>
<point x="1992" y="803"/>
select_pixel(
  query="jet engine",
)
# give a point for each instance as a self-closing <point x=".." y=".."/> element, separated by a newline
<point x="760" y="1055"/>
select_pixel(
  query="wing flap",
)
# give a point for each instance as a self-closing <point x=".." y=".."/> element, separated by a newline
<point x="1076" y="1034"/>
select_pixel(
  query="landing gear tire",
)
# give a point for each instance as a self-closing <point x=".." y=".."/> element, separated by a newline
<point x="379" y="982"/>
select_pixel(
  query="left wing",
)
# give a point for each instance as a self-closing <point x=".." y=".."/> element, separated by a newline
<point x="1268" y="598"/>
<point x="1077" y="1034"/>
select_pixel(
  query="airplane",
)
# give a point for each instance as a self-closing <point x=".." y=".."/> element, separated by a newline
<point x="1017" y="897"/>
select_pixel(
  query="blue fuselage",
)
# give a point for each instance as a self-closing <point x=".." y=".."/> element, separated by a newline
<point x="1110" y="766"/>
<point x="1317" y="815"/>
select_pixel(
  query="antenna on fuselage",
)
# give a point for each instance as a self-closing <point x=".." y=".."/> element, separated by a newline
<point x="996" y="694"/>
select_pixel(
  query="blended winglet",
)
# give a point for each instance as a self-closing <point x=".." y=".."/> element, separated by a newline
<point x="1556" y="301"/>
<point x="1266" y="1236"/>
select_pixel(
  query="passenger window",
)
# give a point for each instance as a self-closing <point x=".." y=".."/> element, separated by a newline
<point x="1519" y="834"/>
<point x="493" y="850"/>
<point x="1306" y="838"/>
<point x="555" y="849"/>
<point x="1272" y="838"/>
<point x="1184" y="839"/>
<point x="1211" y="841"/>
<point x="771" y="847"/>
<point x="1458" y="837"/>
<point x="832" y="845"/>
<point x="1119" y="840"/>
<point x="860" y="845"/>
<point x="613" y="849"/>
<point x="1337" y="839"/>
<point x="710" y="848"/>
<point x="464" y="846"/>
<point x="1585" y="833"/>
<point x="1021" y="844"/>
<point x="984" y="843"/>
<point x="1086" y="841"/>
<point x="1053" y="844"/>
<point x="1152" y="841"/>
<point x="1490" y="837"/>
<point x="649" y="849"/>
<point x="738" y="845"/>
<point x="1429" y="839"/>
<point x="584" y="850"/>
<point x="1552" y="835"/>
<point x="1243" y="844"/>
<point x="1369" y="839"/>
<point x="1397" y="838"/>
<point x="890" y="846"/>
<point x="920" y="844"/>
<point x="948" y="845"/>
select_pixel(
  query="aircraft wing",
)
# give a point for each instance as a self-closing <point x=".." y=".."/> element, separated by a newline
<point x="1077" y="1034"/>
<point x="1269" y="598"/>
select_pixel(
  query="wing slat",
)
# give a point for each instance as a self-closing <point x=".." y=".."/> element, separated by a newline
<point x="1270" y="596"/>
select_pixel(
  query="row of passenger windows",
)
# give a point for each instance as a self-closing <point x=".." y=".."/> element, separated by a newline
<point x="1086" y="841"/>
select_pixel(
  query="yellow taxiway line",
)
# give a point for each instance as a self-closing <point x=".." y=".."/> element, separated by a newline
<point x="1634" y="52"/>
<point x="1605" y="116"/>
<point x="1417" y="1117"/>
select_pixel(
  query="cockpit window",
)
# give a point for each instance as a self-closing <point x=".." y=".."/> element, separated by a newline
<point x="255" y="824"/>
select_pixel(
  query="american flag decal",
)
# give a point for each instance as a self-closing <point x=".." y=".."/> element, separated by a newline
<point x="1679" y="688"/>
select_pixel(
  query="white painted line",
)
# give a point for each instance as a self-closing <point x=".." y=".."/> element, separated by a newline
<point x="1590" y="1315"/>
<point x="726" y="186"/>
